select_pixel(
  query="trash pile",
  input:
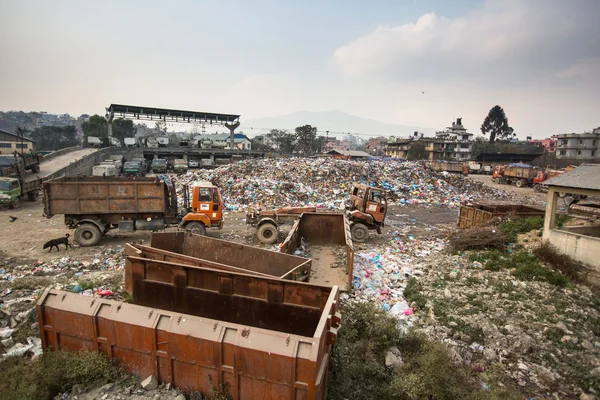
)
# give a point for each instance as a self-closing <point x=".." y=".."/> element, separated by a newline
<point x="382" y="272"/>
<point x="325" y="182"/>
<point x="107" y="260"/>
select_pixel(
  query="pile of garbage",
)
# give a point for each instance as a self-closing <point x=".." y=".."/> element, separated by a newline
<point x="326" y="182"/>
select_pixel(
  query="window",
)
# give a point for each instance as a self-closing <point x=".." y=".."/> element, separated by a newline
<point x="580" y="141"/>
<point x="565" y="141"/>
<point x="5" y="145"/>
<point x="594" y="142"/>
<point x="593" y="153"/>
<point x="22" y="146"/>
<point x="204" y="194"/>
<point x="579" y="153"/>
<point x="562" y="153"/>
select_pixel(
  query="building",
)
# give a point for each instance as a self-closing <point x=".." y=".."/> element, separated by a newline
<point x="376" y="146"/>
<point x="580" y="146"/>
<point x="454" y="143"/>
<point x="549" y="143"/>
<point x="348" y="154"/>
<point x="398" y="149"/>
<point x="9" y="143"/>
<point x="580" y="242"/>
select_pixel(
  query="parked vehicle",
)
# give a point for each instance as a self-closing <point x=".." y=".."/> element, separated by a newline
<point x="180" y="165"/>
<point x="519" y="174"/>
<point x="94" y="141"/>
<point x="93" y="206"/>
<point x="366" y="210"/>
<point x="119" y="159"/>
<point x="478" y="168"/>
<point x="114" y="142"/>
<point x="267" y="222"/>
<point x="539" y="184"/>
<point x="105" y="170"/>
<point x="449" y="166"/>
<point x="193" y="163"/>
<point x="17" y="163"/>
<point x="114" y="164"/>
<point x="162" y="141"/>
<point x="151" y="142"/>
<point x="207" y="162"/>
<point x="145" y="164"/>
<point x="13" y="189"/>
<point x="159" y="165"/>
<point x="130" y="142"/>
<point x="133" y="168"/>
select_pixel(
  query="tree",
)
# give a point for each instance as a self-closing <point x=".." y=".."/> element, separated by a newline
<point x="161" y="127"/>
<point x="122" y="128"/>
<point x="319" y="144"/>
<point x="306" y="136"/>
<point x="259" y="145"/>
<point x="55" y="137"/>
<point x="481" y="145"/>
<point x="95" y="126"/>
<point x="417" y="151"/>
<point x="496" y="124"/>
<point x="285" y="141"/>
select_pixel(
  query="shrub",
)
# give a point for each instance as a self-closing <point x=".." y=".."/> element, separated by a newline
<point x="512" y="228"/>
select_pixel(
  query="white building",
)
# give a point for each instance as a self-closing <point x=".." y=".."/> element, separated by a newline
<point x="454" y="143"/>
<point x="222" y="141"/>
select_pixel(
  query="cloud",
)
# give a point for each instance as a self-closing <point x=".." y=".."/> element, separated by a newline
<point x="505" y="40"/>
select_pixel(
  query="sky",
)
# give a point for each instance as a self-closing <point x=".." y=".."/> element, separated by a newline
<point x="412" y="62"/>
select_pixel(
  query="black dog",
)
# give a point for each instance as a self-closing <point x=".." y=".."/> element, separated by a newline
<point x="55" y="242"/>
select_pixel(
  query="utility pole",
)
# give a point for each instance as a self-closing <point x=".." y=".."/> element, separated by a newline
<point x="327" y="142"/>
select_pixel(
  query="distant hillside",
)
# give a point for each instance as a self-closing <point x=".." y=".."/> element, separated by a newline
<point x="333" y="121"/>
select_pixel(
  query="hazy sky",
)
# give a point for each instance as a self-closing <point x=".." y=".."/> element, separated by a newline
<point x="538" y="59"/>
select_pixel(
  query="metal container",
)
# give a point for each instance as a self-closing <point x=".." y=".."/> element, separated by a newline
<point x="246" y="259"/>
<point x="196" y="353"/>
<point x="99" y="195"/>
<point x="474" y="215"/>
<point x="323" y="232"/>
<point x="520" y="172"/>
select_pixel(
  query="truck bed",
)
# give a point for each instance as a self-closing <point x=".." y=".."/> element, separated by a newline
<point x="104" y="195"/>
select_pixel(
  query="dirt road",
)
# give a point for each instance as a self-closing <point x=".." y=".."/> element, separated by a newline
<point x="522" y="194"/>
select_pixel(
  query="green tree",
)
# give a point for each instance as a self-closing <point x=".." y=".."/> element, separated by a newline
<point x="306" y="136"/>
<point x="496" y="124"/>
<point x="319" y="144"/>
<point x="55" y="137"/>
<point x="122" y="128"/>
<point x="161" y="127"/>
<point x="95" y="126"/>
<point x="416" y="151"/>
<point x="481" y="145"/>
<point x="285" y="141"/>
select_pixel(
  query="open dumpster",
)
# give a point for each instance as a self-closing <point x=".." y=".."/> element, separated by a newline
<point x="222" y="254"/>
<point x="327" y="236"/>
<point x="474" y="215"/>
<point x="264" y="338"/>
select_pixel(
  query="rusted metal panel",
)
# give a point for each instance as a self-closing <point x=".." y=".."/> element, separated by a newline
<point x="241" y="258"/>
<point x="480" y="214"/>
<point x="521" y="172"/>
<point x="189" y="351"/>
<point x="267" y="303"/>
<point x="98" y="195"/>
<point x="323" y="229"/>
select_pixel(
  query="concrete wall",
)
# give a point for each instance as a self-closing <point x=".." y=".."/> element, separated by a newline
<point x="60" y="152"/>
<point x="84" y="166"/>
<point x="572" y="242"/>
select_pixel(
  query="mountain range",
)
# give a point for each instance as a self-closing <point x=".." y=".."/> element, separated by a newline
<point x="337" y="122"/>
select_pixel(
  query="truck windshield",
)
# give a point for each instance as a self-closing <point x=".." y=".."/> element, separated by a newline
<point x="6" y="161"/>
<point x="5" y="185"/>
<point x="159" y="162"/>
<point x="132" y="164"/>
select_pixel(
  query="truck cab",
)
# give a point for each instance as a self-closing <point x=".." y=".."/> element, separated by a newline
<point x="366" y="209"/>
<point x="10" y="192"/>
<point x="206" y="209"/>
<point x="133" y="168"/>
<point x="159" y="165"/>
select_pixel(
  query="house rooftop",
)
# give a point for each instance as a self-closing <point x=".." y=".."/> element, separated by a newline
<point x="583" y="177"/>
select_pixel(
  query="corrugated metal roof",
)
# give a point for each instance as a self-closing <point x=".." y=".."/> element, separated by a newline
<point x="350" y="153"/>
<point x="584" y="177"/>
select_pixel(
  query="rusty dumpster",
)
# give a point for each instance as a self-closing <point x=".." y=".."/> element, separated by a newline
<point x="474" y="215"/>
<point x="326" y="234"/>
<point x="222" y="254"/>
<point x="196" y="353"/>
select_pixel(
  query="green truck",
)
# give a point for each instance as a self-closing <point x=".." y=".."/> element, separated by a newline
<point x="159" y="165"/>
<point x="15" y="183"/>
<point x="133" y="168"/>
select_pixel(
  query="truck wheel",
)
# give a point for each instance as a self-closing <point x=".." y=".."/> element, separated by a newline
<point x="87" y="235"/>
<point x="537" y="188"/>
<point x="33" y="196"/>
<point x="360" y="232"/>
<point x="16" y="203"/>
<point x="519" y="183"/>
<point x="196" y="227"/>
<point x="35" y="168"/>
<point x="267" y="233"/>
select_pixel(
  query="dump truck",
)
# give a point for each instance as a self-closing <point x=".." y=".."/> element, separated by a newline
<point x="519" y="174"/>
<point x="449" y="166"/>
<point x="180" y="165"/>
<point x="473" y="215"/>
<point x="93" y="206"/>
<point x="130" y="142"/>
<point x="159" y="165"/>
<point x="366" y="210"/>
<point x="104" y="170"/>
<point x="15" y="182"/>
<point x="476" y="167"/>
<point x="134" y="168"/>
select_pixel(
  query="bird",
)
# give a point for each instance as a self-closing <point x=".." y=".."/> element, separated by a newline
<point x="422" y="92"/>
<point x="12" y="219"/>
